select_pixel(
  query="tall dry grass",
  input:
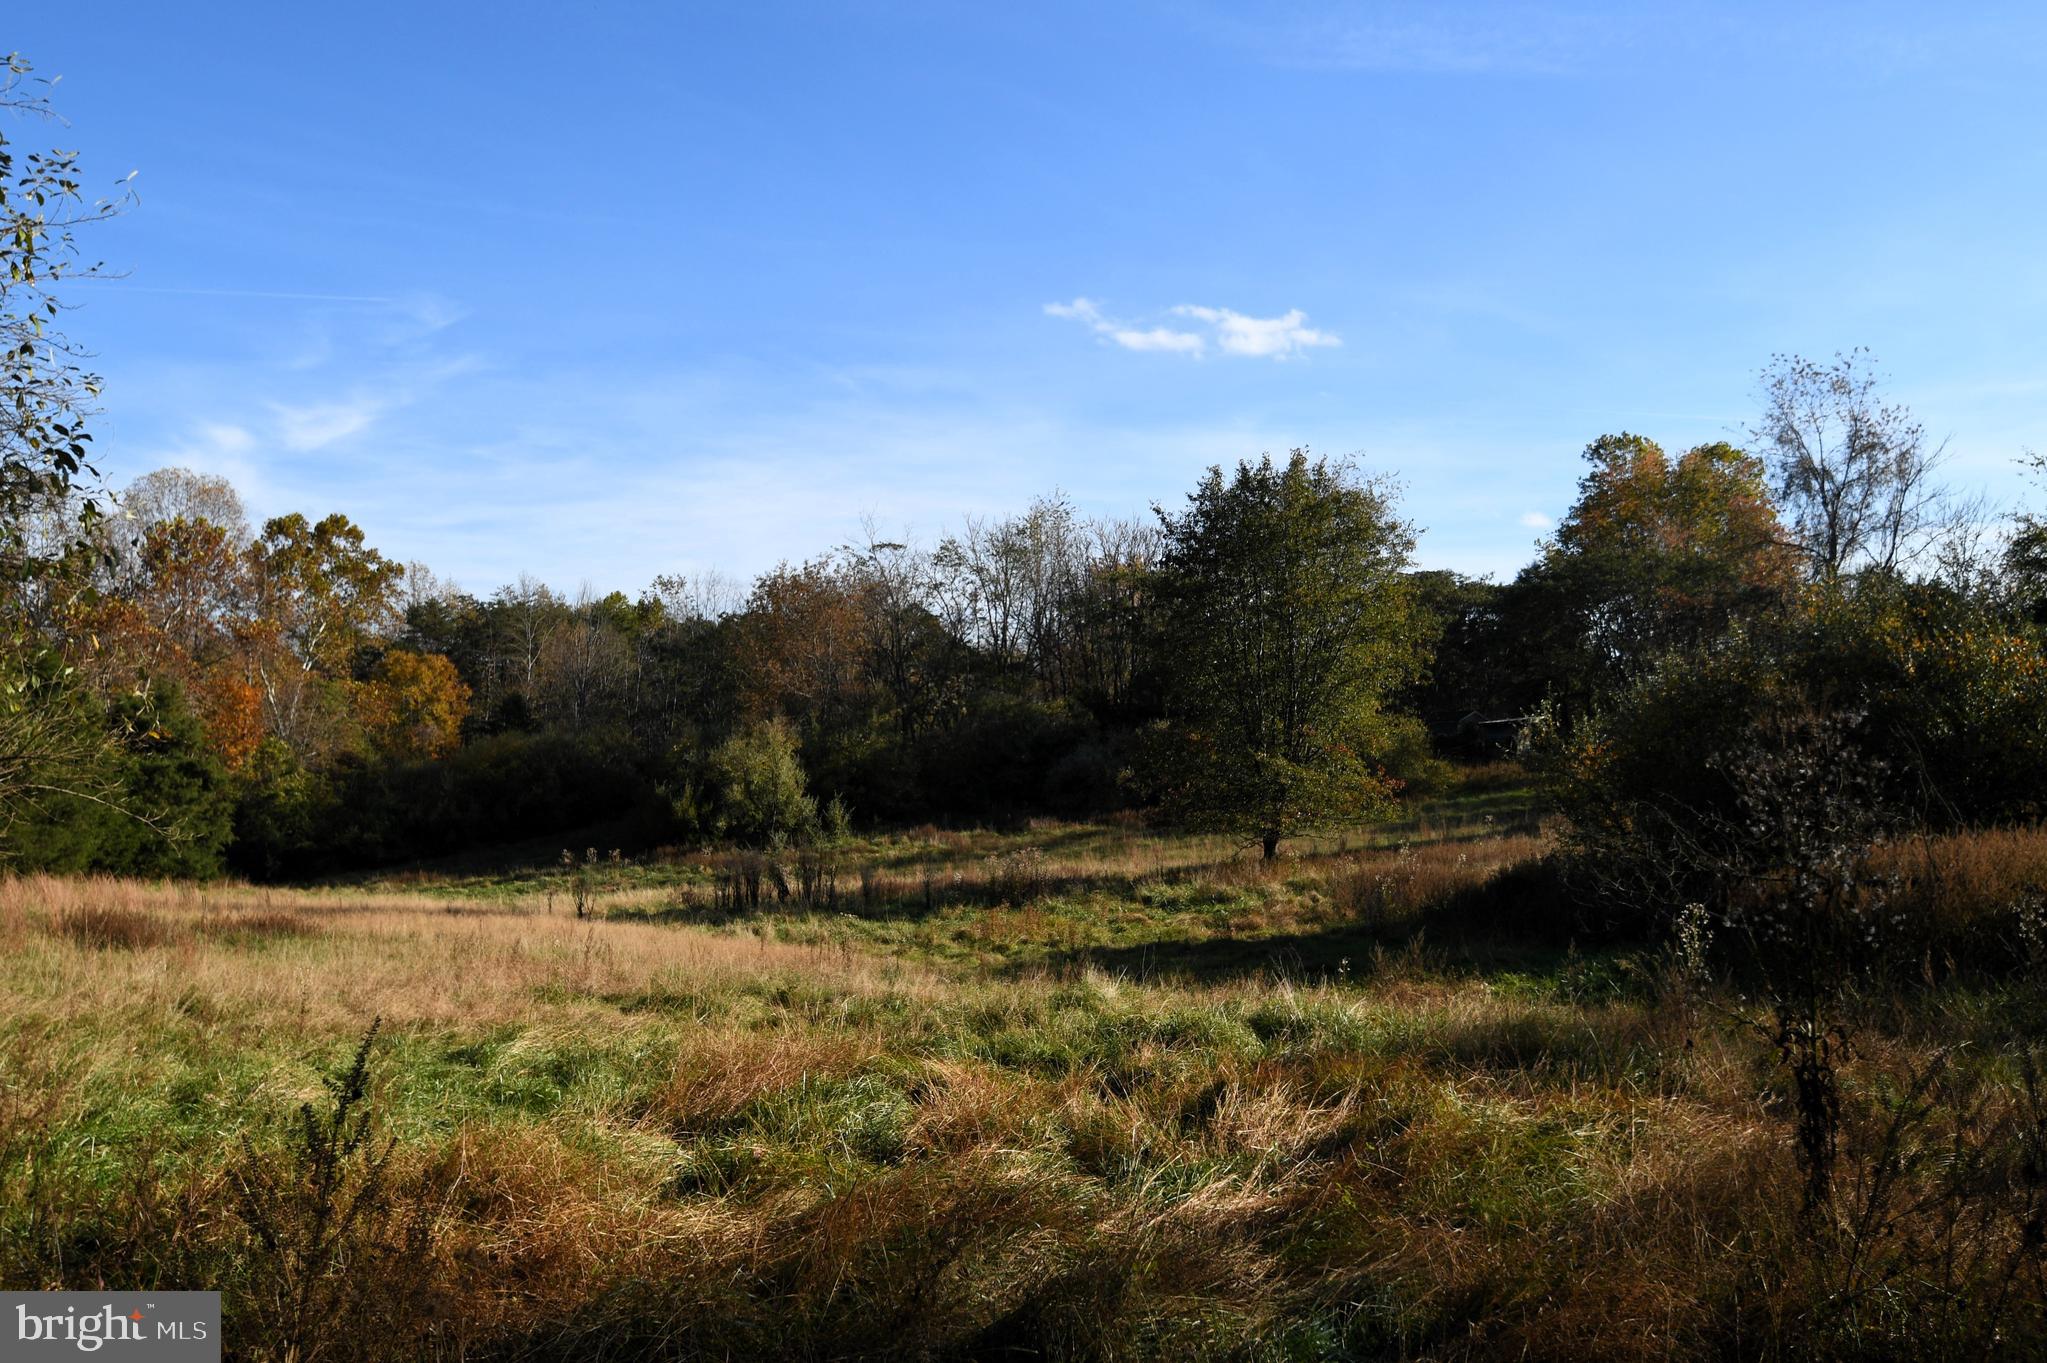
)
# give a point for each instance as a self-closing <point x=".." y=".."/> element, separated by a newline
<point x="1979" y="893"/>
<point x="643" y="1139"/>
<point x="332" y="958"/>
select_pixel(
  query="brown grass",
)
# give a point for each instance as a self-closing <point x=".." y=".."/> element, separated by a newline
<point x="1398" y="886"/>
<point x="716" y="1080"/>
<point x="637" y="1139"/>
<point x="336" y="957"/>
<point x="107" y="925"/>
<point x="1970" y="892"/>
<point x="1359" y="881"/>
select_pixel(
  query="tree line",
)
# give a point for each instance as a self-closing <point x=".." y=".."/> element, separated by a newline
<point x="287" y="700"/>
<point x="312" y="704"/>
<point x="183" y="692"/>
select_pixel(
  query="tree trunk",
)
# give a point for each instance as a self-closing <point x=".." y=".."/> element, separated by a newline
<point x="1270" y="841"/>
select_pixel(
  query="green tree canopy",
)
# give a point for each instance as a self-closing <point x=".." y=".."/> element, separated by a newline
<point x="325" y="586"/>
<point x="1657" y="554"/>
<point x="1287" y="619"/>
<point x="756" y="778"/>
<point x="322" y="594"/>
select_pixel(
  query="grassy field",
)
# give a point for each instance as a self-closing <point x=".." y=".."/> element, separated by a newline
<point x="1069" y="1092"/>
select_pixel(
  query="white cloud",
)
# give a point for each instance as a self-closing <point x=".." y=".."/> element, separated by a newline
<point x="1129" y="337"/>
<point x="320" y="424"/>
<point x="1278" y="337"/>
<point x="1158" y="338"/>
<point x="1232" y="332"/>
<point x="226" y="438"/>
<point x="221" y="448"/>
<point x="1535" y="520"/>
<point x="1080" y="309"/>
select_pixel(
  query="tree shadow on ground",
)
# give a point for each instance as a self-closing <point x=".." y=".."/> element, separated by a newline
<point x="1521" y="919"/>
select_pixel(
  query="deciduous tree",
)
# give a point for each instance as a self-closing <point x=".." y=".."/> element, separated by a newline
<point x="1853" y="472"/>
<point x="1657" y="554"/>
<point x="1288" y="619"/>
<point x="413" y="705"/>
<point x="322" y="593"/>
<point x="48" y="494"/>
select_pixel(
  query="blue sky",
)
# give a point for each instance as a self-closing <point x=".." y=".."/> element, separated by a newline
<point x="607" y="290"/>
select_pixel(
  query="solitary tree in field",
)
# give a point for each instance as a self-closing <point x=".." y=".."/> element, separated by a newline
<point x="1286" y="621"/>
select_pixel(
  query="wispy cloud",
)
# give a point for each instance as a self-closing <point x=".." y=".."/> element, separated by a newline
<point x="701" y="470"/>
<point x="305" y="427"/>
<point x="1129" y="337"/>
<point x="1535" y="520"/>
<point x="226" y="437"/>
<point x="1229" y="331"/>
<point x="318" y="425"/>
<point x="1080" y="309"/>
<point x="300" y="413"/>
<point x="417" y="313"/>
<point x="224" y="448"/>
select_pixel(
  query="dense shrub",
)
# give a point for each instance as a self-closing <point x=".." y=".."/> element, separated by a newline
<point x="1401" y="746"/>
<point x="872" y="769"/>
<point x="1950" y="706"/>
<point x="162" y="807"/>
<point x="1956" y="699"/>
<point x="358" y="812"/>
<point x="998" y="761"/>
<point x="757" y="790"/>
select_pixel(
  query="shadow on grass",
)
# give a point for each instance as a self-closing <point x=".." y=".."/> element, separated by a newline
<point x="1519" y="919"/>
